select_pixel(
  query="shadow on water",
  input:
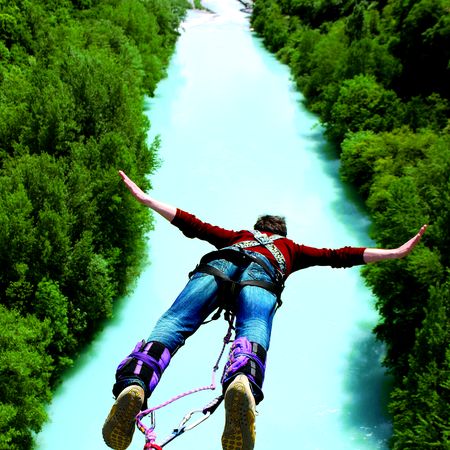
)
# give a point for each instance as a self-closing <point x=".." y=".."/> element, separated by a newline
<point x="368" y="387"/>
<point x="349" y="208"/>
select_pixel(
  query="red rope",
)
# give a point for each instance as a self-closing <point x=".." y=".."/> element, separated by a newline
<point x="152" y="445"/>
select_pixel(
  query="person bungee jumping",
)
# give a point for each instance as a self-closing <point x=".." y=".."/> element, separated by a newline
<point x="245" y="277"/>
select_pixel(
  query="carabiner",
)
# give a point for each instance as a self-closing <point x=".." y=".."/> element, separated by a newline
<point x="182" y="427"/>
<point x="188" y="416"/>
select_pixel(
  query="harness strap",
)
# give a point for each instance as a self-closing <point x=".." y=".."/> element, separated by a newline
<point x="268" y="242"/>
<point x="240" y="258"/>
<point x="229" y="289"/>
<point x="236" y="286"/>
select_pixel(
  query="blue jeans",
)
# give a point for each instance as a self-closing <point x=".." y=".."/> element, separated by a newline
<point x="255" y="306"/>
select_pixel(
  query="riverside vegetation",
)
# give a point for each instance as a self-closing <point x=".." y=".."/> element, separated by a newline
<point x="377" y="74"/>
<point x="73" y="75"/>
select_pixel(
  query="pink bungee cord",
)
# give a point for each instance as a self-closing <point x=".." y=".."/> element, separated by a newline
<point x="149" y="433"/>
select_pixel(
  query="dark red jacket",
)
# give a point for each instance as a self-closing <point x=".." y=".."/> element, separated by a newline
<point x="297" y="256"/>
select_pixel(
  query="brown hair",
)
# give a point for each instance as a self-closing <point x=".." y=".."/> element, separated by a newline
<point x="274" y="224"/>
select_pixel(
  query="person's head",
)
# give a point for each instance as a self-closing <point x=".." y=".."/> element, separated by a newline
<point x="274" y="224"/>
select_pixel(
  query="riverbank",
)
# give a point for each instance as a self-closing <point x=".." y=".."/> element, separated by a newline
<point x="73" y="76"/>
<point x="386" y="108"/>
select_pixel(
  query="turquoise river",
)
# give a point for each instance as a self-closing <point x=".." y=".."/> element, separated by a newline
<point x="236" y="142"/>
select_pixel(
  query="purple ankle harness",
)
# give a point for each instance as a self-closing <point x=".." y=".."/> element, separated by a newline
<point x="245" y="357"/>
<point x="248" y="358"/>
<point x="150" y="436"/>
<point x="143" y="366"/>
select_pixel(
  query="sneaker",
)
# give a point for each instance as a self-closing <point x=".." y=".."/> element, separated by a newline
<point x="239" y="431"/>
<point x="118" y="428"/>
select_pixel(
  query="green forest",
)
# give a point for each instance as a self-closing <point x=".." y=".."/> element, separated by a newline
<point x="73" y="77"/>
<point x="377" y="74"/>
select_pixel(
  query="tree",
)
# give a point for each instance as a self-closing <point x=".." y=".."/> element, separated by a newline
<point x="424" y="418"/>
<point x="72" y="79"/>
<point x="422" y="43"/>
<point x="363" y="104"/>
<point x="377" y="73"/>
<point x="25" y="369"/>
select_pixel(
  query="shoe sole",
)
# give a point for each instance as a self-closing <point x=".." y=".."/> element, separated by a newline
<point x="118" y="428"/>
<point x="239" y="431"/>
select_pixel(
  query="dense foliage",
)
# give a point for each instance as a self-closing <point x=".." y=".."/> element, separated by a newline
<point x="377" y="74"/>
<point x="73" y="75"/>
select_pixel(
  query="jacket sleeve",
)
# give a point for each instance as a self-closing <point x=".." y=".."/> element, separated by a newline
<point x="341" y="257"/>
<point x="192" y="227"/>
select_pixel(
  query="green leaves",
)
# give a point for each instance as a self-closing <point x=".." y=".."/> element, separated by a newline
<point x="25" y="369"/>
<point x="270" y="22"/>
<point x="423" y="45"/>
<point x="404" y="177"/>
<point x="72" y="80"/>
<point x="424" y="417"/>
<point x="363" y="104"/>
<point x="51" y="304"/>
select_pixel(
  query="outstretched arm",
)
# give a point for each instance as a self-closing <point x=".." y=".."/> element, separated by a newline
<point x="165" y="210"/>
<point x="378" y="254"/>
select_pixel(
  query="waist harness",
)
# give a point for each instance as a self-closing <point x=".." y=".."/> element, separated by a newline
<point x="229" y="289"/>
<point x="268" y="242"/>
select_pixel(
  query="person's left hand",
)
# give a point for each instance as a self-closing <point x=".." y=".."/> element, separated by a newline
<point x="408" y="246"/>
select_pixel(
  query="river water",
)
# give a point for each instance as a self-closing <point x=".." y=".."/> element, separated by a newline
<point x="237" y="142"/>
